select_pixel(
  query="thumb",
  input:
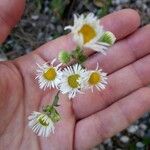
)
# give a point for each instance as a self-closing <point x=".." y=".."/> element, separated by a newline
<point x="10" y="13"/>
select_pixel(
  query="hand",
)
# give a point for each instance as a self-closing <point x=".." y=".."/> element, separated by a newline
<point x="89" y="118"/>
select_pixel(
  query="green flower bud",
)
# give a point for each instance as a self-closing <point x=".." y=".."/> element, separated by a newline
<point x="108" y="37"/>
<point x="64" y="57"/>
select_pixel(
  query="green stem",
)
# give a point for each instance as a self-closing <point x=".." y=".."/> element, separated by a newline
<point x="56" y="99"/>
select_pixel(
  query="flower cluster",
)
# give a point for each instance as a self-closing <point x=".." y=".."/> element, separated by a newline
<point x="69" y="78"/>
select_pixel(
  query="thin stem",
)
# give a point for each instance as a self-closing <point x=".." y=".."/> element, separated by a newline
<point x="56" y="99"/>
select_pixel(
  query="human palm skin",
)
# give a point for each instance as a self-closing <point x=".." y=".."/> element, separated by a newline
<point x="90" y="118"/>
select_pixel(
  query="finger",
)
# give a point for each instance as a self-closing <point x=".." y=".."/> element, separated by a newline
<point x="119" y="23"/>
<point x="96" y="128"/>
<point x="120" y="84"/>
<point x="10" y="13"/>
<point x="120" y="55"/>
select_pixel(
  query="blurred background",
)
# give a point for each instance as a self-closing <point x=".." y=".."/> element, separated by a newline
<point x="44" y="20"/>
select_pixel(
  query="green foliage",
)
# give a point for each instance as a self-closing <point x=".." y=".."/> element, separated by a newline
<point x="132" y="146"/>
<point x="51" y="111"/>
<point x="146" y="140"/>
<point x="104" y="7"/>
<point x="38" y="4"/>
<point x="5" y="47"/>
<point x="58" y="6"/>
<point x="78" y="55"/>
<point x="54" y="115"/>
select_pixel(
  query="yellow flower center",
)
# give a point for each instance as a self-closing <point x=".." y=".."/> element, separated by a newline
<point x="50" y="74"/>
<point x="42" y="122"/>
<point x="87" y="32"/>
<point x="95" y="78"/>
<point x="72" y="81"/>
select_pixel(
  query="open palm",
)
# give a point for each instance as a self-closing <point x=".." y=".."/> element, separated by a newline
<point x="89" y="118"/>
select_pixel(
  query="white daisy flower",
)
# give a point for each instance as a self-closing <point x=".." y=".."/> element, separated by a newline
<point x="41" y="124"/>
<point x="87" y="33"/>
<point x="97" y="78"/>
<point x="48" y="76"/>
<point x="73" y="78"/>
